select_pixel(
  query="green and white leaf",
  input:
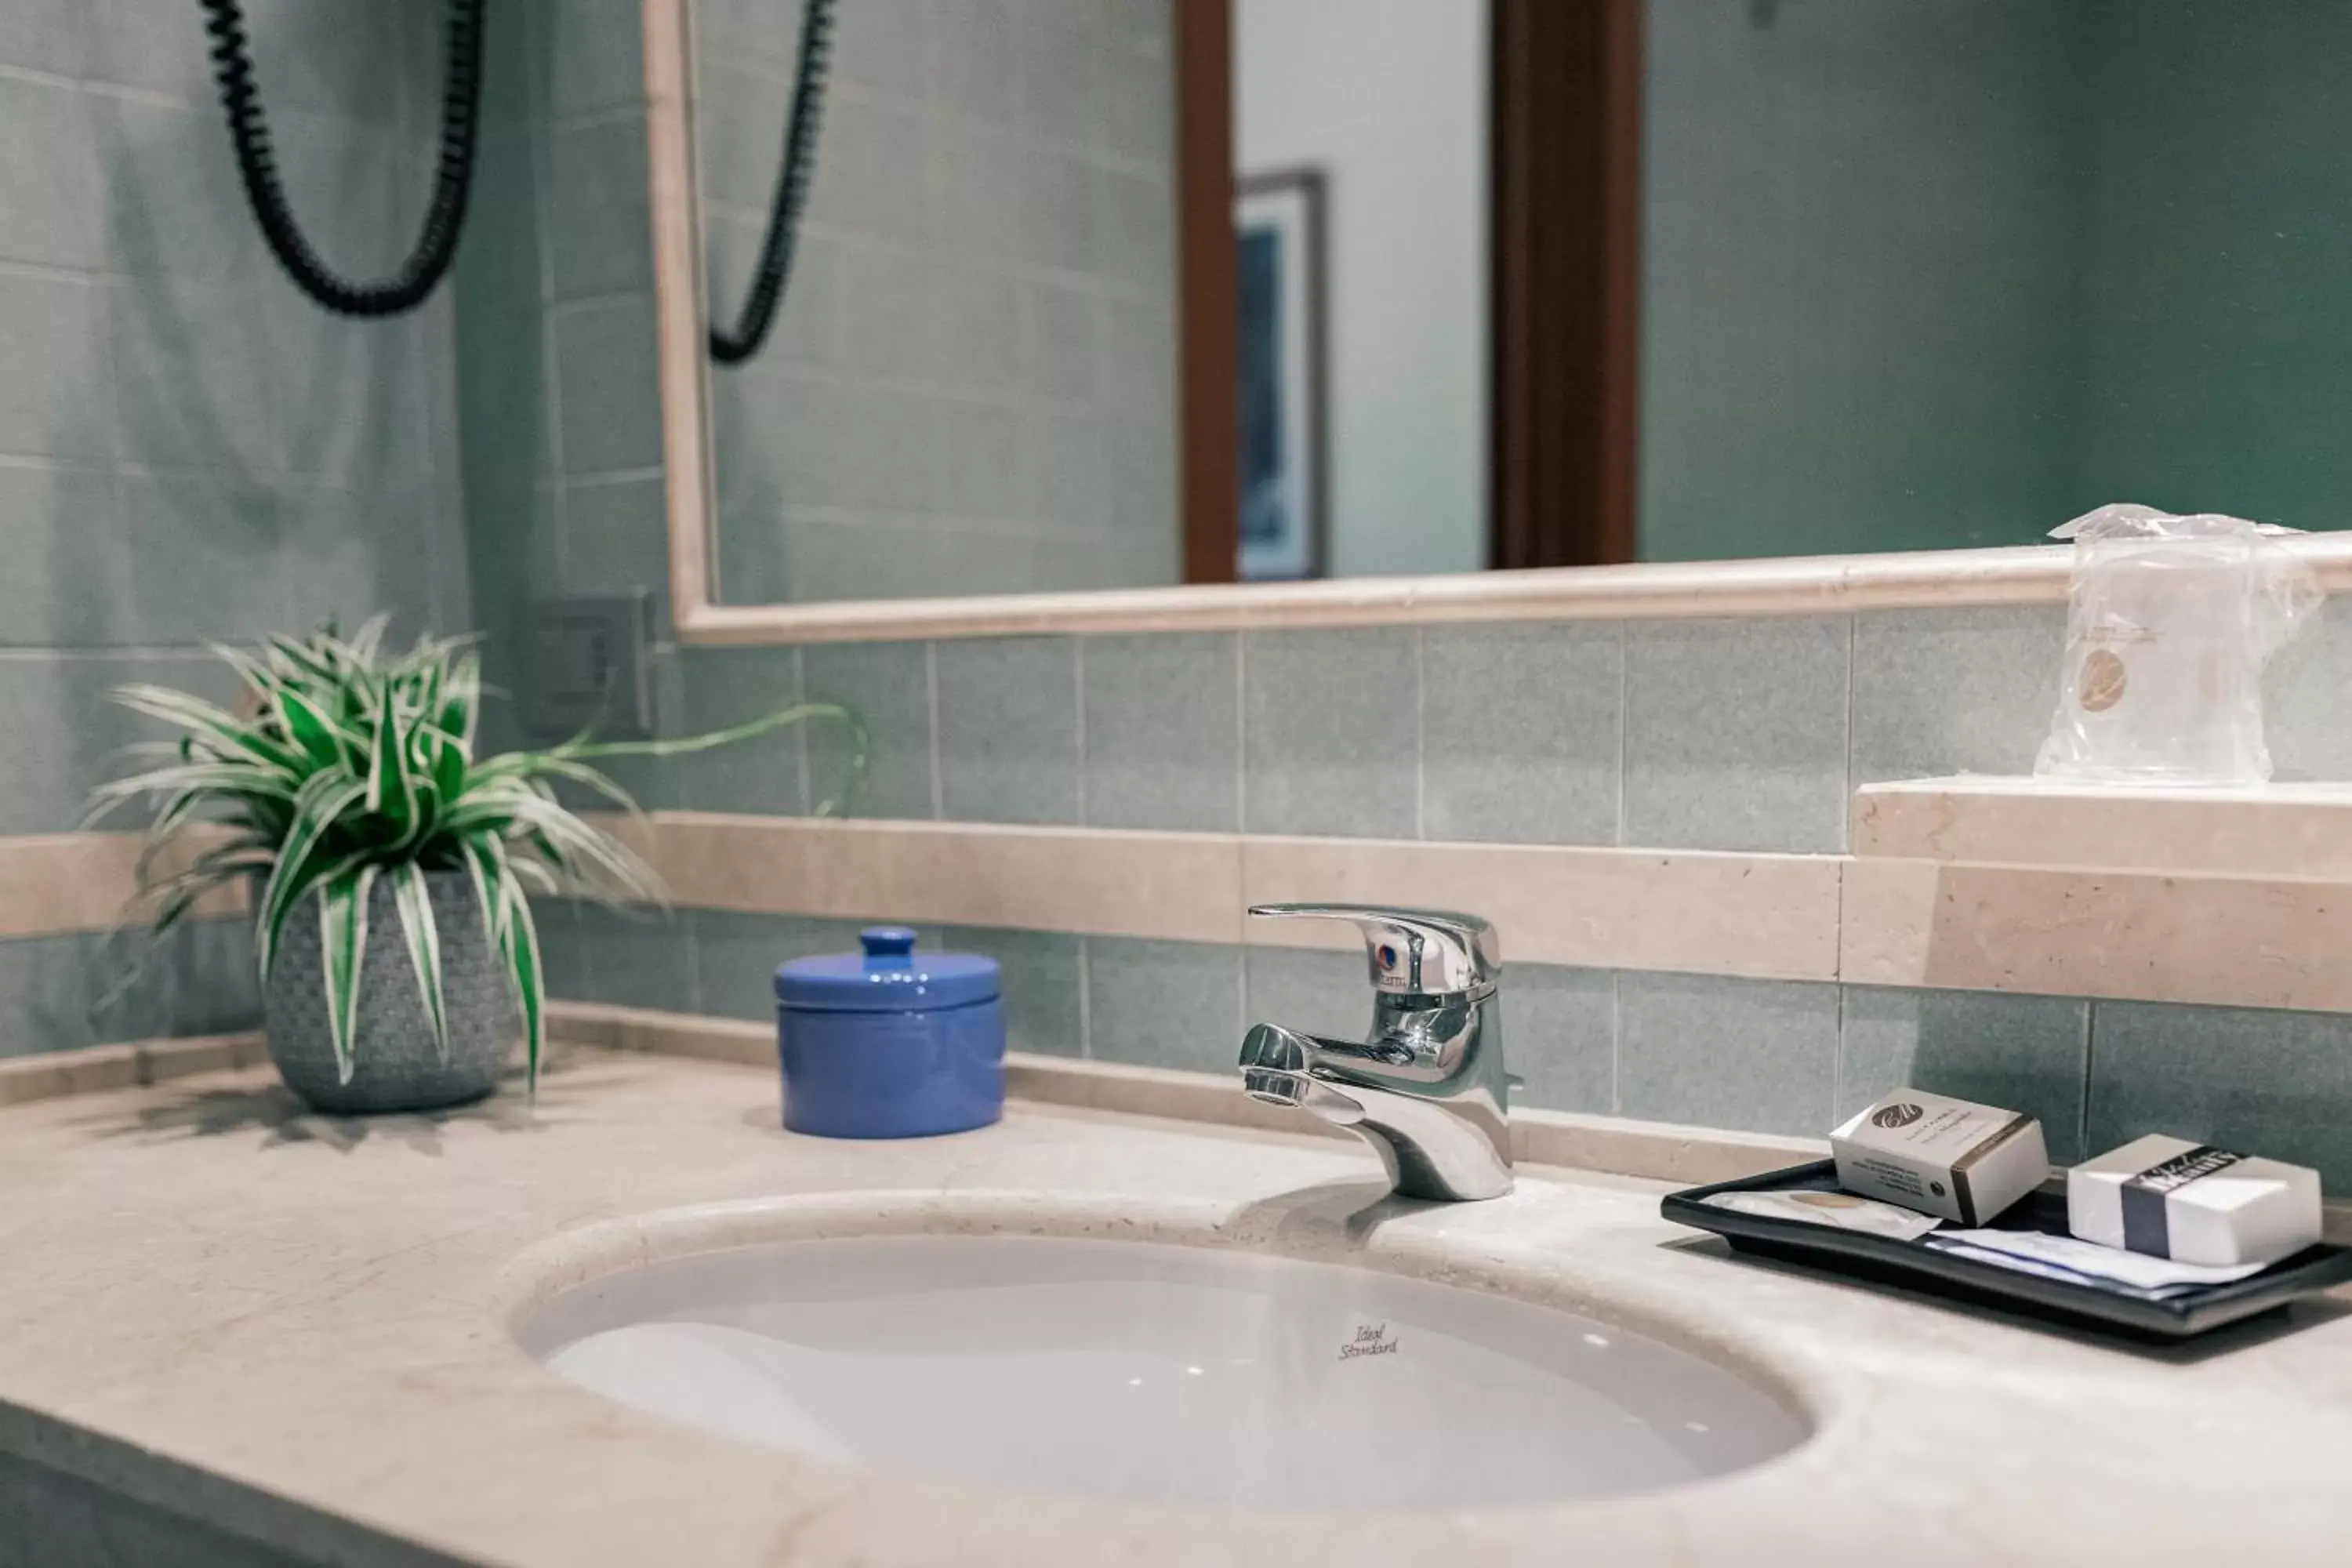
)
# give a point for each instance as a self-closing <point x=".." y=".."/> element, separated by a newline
<point x="424" y="939"/>
<point x="210" y="723"/>
<point x="303" y="859"/>
<point x="322" y="739"/>
<point x="361" y="650"/>
<point x="342" y="946"/>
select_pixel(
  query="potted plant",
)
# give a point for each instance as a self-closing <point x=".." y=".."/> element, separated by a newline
<point x="392" y="867"/>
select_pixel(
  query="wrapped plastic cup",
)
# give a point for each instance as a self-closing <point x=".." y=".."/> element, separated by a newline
<point x="2170" y="622"/>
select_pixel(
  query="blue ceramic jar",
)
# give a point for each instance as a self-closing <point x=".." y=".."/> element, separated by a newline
<point x="890" y="1043"/>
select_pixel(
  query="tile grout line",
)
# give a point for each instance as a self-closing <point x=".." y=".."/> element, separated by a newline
<point x="1837" y="978"/>
<point x="2090" y="1047"/>
<point x="128" y="651"/>
<point x="1837" y="935"/>
<point x="800" y="735"/>
<point x="1845" y="748"/>
<point x="420" y="371"/>
<point x="599" y="118"/>
<point x="1078" y="690"/>
<point x="1624" y="699"/>
<point x="70" y="465"/>
<point x="1837" y="1062"/>
<point x="603" y="299"/>
<point x="803" y="376"/>
<point x="931" y="704"/>
<point x="602" y="478"/>
<point x="1240" y="991"/>
<point x="551" y="398"/>
<point x="79" y="83"/>
<point x="947" y="115"/>
<point x="1616" y="1042"/>
<point x="1420" y="734"/>
<point x="1241" y="733"/>
<point x="417" y="56"/>
<point x="103" y="300"/>
<point x="90" y="278"/>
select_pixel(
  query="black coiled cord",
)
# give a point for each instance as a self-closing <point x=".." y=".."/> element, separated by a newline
<point x="791" y="192"/>
<point x="461" y="102"/>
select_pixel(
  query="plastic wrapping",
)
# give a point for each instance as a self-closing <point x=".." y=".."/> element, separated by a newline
<point x="2170" y="620"/>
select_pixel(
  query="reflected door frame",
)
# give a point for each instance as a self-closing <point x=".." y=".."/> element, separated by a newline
<point x="1564" y="217"/>
<point x="1208" y="290"/>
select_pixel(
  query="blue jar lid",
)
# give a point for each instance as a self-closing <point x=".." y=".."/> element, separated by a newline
<point x="889" y="977"/>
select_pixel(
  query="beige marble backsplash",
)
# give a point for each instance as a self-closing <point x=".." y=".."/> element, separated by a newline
<point x="2072" y="907"/>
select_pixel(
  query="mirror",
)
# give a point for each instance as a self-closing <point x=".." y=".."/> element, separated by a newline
<point x="1093" y="294"/>
<point x="971" y="383"/>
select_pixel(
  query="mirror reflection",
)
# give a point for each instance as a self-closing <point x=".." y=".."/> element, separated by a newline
<point x="1053" y="295"/>
<point x="970" y="383"/>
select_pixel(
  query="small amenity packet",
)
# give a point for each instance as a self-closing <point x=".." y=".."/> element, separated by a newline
<point x="1952" y="1158"/>
<point x="1842" y="1210"/>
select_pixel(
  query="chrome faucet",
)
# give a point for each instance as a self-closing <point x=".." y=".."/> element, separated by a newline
<point x="1427" y="1088"/>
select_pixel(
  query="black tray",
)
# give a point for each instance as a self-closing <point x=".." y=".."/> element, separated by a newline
<point x="1916" y="1264"/>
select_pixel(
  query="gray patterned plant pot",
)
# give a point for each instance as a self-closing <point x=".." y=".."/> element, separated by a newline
<point x="396" y="1065"/>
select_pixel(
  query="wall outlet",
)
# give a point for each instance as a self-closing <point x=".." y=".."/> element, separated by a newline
<point x="589" y="665"/>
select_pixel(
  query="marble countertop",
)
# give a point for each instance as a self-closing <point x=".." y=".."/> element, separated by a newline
<point x="203" y="1285"/>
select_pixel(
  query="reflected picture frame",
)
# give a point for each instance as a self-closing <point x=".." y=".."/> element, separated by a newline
<point x="1279" y="223"/>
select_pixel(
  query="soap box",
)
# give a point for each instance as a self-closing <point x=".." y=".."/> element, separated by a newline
<point x="2170" y="1197"/>
<point x="1942" y="1156"/>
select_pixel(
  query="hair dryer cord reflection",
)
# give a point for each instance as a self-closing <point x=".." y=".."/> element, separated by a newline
<point x="774" y="273"/>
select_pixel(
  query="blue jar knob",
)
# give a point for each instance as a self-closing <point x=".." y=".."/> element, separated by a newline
<point x="887" y="942"/>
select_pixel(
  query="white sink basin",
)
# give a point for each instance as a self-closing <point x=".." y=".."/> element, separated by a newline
<point x="1142" y="1373"/>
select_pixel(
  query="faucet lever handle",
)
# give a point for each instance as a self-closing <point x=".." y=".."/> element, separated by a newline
<point x="1412" y="952"/>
